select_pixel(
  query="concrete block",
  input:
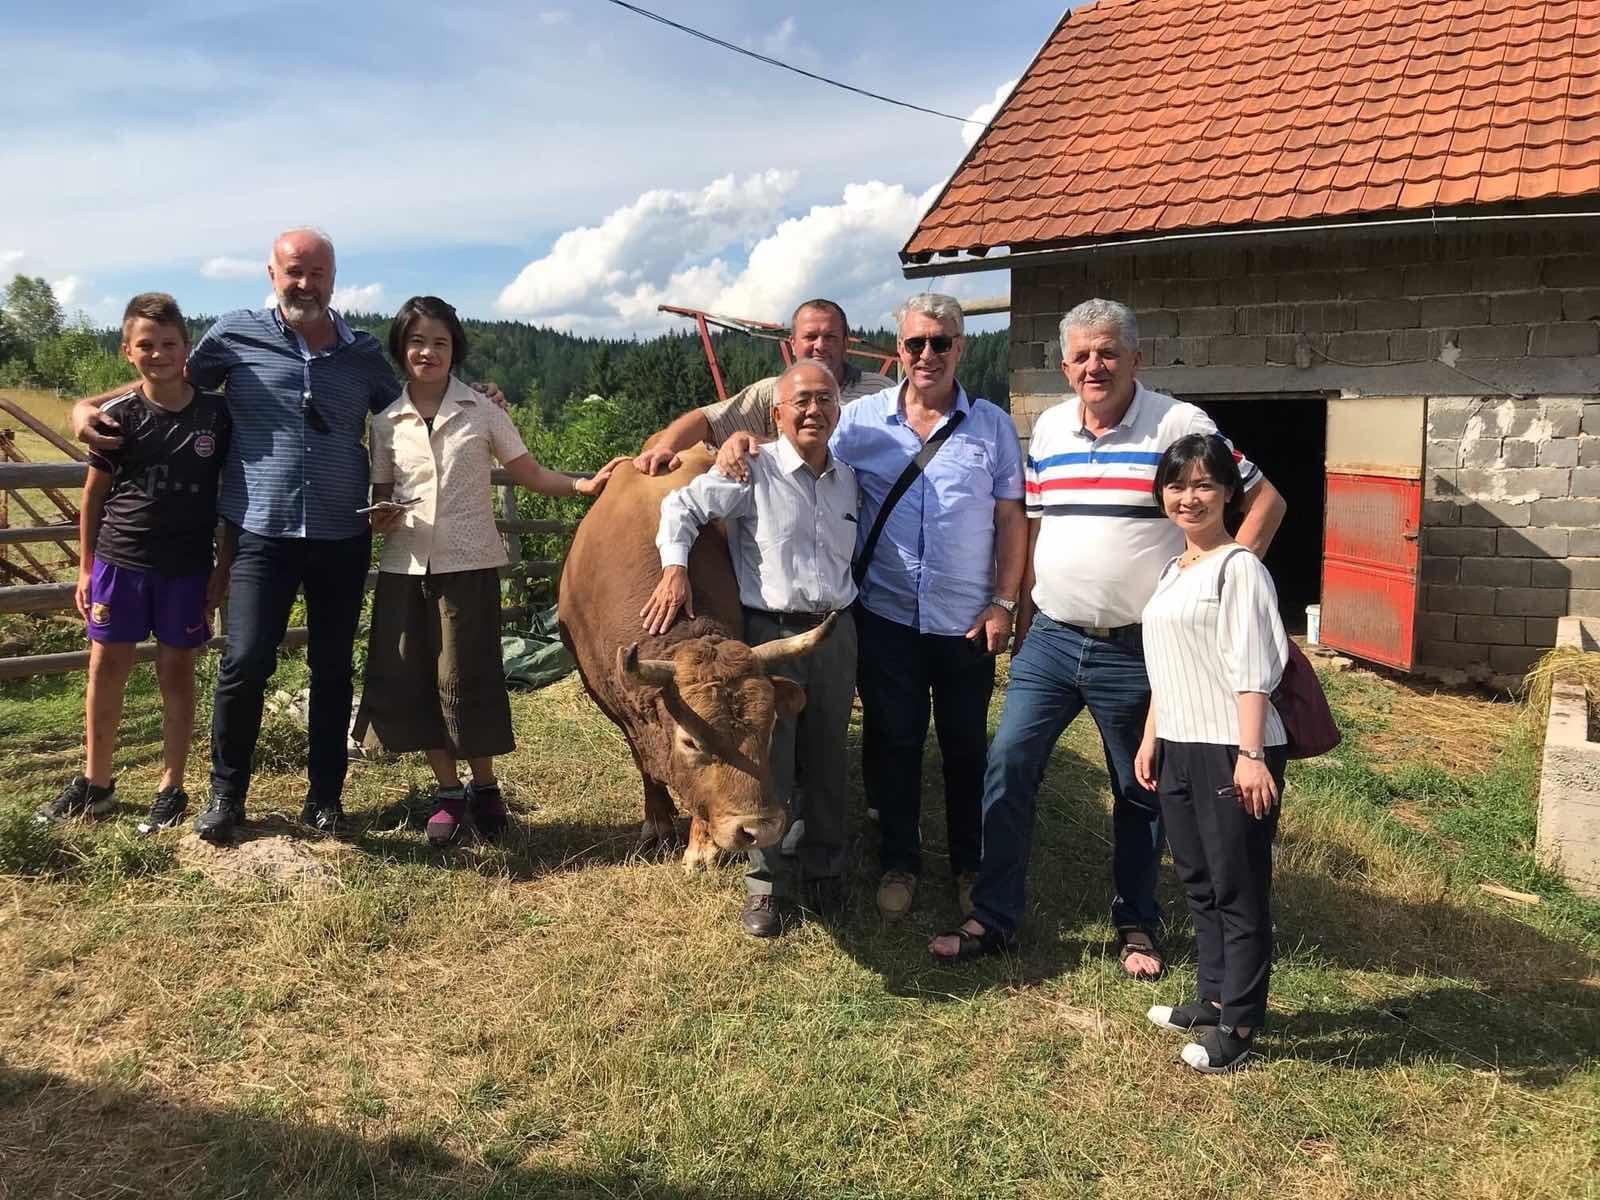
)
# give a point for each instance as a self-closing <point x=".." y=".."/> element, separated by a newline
<point x="1591" y="419"/>
<point x="1267" y="318"/>
<point x="1496" y="572"/>
<point x="1588" y="450"/>
<point x="1583" y="603"/>
<point x="1378" y="283"/>
<point x="1519" y="452"/>
<point x="1540" y="631"/>
<point x="1194" y="293"/>
<point x="1505" y="274"/>
<point x="1559" y="452"/>
<point x="1214" y="262"/>
<point x="1492" y="341"/>
<point x="1441" y="482"/>
<point x="1459" y="541"/>
<point x="1569" y="513"/>
<point x="1514" y="660"/>
<point x="1481" y="452"/>
<point x="1584" y="542"/>
<point x="1453" y="598"/>
<point x="1531" y="543"/>
<point x="1524" y="308"/>
<point x="1451" y="312"/>
<point x="1252" y="288"/>
<point x="1497" y="631"/>
<point x="1328" y="317"/>
<point x="1386" y="314"/>
<point x="1569" y="776"/>
<point x="1439" y="570"/>
<point x="1308" y="285"/>
<point x="1204" y="322"/>
<point x="1583" y="573"/>
<point x="1453" y="654"/>
<point x="1358" y="347"/>
<point x="1452" y="422"/>
<point x="1147" y="294"/>
<point x="1030" y="295"/>
<point x="1187" y="352"/>
<point x="1586" y="481"/>
<point x="1411" y="345"/>
<point x="1238" y="351"/>
<point x="1444" y="452"/>
<point x="1519" y="483"/>
<point x="1158" y="323"/>
<point x="1436" y="278"/>
<point x="1436" y="627"/>
<point x="1571" y="271"/>
<point x="1581" y="305"/>
<point x="1025" y="355"/>
<point x="1530" y="602"/>
<point x="1440" y="512"/>
<point x="1494" y="514"/>
<point x="1572" y="339"/>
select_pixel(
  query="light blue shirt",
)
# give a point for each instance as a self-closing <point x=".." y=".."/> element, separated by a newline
<point x="933" y="568"/>
<point x="283" y="477"/>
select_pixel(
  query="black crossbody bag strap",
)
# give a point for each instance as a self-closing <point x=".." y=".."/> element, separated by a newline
<point x="901" y="486"/>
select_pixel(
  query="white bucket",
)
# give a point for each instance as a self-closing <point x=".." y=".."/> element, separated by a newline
<point x="1313" y="624"/>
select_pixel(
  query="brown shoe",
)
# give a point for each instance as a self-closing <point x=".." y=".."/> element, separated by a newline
<point x="896" y="890"/>
<point x="762" y="916"/>
<point x="965" y="882"/>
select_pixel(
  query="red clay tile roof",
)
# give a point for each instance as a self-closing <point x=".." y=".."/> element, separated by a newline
<point x="1157" y="116"/>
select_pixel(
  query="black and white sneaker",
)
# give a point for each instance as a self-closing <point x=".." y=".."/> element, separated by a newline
<point x="1218" y="1051"/>
<point x="166" y="810"/>
<point x="79" y="798"/>
<point x="1194" y="1015"/>
<point x="222" y="816"/>
<point x="325" y="816"/>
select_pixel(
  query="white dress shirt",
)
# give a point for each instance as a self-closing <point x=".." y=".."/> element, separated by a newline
<point x="791" y="533"/>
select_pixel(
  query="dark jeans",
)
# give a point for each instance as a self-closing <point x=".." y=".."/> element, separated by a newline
<point x="266" y="574"/>
<point x="899" y="668"/>
<point x="1223" y="855"/>
<point x="1056" y="675"/>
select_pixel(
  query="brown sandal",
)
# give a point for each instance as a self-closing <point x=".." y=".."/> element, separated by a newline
<point x="1131" y="940"/>
<point x="974" y="945"/>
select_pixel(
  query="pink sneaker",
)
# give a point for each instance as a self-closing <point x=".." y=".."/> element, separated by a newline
<point x="449" y="815"/>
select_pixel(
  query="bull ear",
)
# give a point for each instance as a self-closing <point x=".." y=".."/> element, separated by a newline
<point x="769" y="654"/>
<point x="656" y="671"/>
<point x="788" y="697"/>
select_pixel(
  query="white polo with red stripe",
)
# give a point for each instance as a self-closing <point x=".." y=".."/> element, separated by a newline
<point x="1104" y="540"/>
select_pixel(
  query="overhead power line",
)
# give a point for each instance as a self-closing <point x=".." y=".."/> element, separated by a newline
<point x="773" y="62"/>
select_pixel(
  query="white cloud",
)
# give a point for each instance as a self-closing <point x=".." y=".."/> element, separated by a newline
<point x="590" y="271"/>
<point x="223" y="267"/>
<point x="846" y="251"/>
<point x="12" y="260"/>
<point x="360" y="297"/>
<point x="980" y="117"/>
<point x="68" y="290"/>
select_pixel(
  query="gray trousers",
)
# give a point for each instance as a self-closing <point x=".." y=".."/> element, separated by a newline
<point x="813" y="740"/>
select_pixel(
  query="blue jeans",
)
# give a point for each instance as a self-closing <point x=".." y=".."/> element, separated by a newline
<point x="1057" y="674"/>
<point x="266" y="574"/>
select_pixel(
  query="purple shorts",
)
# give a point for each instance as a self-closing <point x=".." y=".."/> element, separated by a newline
<point x="126" y="605"/>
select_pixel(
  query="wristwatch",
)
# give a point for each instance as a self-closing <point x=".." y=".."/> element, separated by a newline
<point x="1001" y="602"/>
<point x="1253" y="755"/>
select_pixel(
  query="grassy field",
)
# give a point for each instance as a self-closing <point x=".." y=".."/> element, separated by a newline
<point x="561" y="1018"/>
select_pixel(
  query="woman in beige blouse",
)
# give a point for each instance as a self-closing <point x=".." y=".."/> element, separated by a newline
<point x="434" y="680"/>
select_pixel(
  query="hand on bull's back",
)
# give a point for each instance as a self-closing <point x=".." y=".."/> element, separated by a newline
<point x="733" y="458"/>
<point x="671" y="594"/>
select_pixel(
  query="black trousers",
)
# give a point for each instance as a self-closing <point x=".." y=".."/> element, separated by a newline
<point x="1223" y="855"/>
<point x="898" y="670"/>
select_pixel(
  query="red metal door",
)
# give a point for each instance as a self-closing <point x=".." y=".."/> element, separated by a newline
<point x="1370" y="567"/>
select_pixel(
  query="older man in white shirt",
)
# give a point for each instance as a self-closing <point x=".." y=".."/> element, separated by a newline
<point x="791" y="530"/>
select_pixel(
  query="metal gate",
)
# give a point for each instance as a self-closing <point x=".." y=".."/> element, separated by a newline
<point x="1370" y="555"/>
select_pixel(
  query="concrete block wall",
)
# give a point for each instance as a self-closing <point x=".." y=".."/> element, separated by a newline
<point x="1511" y="536"/>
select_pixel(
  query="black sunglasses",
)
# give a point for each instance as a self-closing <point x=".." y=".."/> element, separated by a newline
<point x="313" y="418"/>
<point x="940" y="344"/>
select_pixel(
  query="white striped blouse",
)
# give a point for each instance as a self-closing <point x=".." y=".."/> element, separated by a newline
<point x="1212" y="631"/>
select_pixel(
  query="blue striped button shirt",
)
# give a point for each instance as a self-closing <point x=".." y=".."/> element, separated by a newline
<point x="933" y="568"/>
<point x="283" y="477"/>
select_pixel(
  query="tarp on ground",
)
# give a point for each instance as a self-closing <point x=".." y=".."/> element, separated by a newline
<point x="535" y="658"/>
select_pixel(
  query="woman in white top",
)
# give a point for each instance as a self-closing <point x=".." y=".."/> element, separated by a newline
<point x="1213" y="746"/>
<point x="434" y="679"/>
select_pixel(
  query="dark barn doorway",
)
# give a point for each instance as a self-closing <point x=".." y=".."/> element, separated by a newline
<point x="1287" y="437"/>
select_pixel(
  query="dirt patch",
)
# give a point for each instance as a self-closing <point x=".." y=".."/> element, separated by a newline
<point x="268" y="853"/>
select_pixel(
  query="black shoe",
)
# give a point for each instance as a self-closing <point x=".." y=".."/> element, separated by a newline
<point x="488" y="811"/>
<point x="166" y="810"/>
<point x="1197" y="1014"/>
<point x="762" y="916"/>
<point x="324" y="816"/>
<point x="1218" y="1051"/>
<point x="79" y="798"/>
<point x="825" y="900"/>
<point x="222" y="816"/>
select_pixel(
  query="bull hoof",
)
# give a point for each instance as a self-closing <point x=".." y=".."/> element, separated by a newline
<point x="657" y="839"/>
<point x="700" y="858"/>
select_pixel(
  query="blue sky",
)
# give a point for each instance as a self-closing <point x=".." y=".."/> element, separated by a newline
<point x="565" y="161"/>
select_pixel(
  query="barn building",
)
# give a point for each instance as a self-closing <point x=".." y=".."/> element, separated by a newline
<point x="1365" y="236"/>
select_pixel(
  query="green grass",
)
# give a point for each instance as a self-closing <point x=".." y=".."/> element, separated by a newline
<point x="558" y="1017"/>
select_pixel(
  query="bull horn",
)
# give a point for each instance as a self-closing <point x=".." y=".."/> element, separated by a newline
<point x="658" y="671"/>
<point x="770" y="654"/>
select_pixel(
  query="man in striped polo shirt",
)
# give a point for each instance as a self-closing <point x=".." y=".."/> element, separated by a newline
<point x="1097" y="544"/>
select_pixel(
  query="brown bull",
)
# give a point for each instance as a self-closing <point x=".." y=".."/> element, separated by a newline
<point x="696" y="704"/>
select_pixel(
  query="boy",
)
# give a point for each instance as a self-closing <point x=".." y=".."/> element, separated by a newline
<point x="148" y="520"/>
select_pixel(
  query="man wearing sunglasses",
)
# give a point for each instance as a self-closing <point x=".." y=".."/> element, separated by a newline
<point x="937" y="587"/>
<point x="299" y="384"/>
